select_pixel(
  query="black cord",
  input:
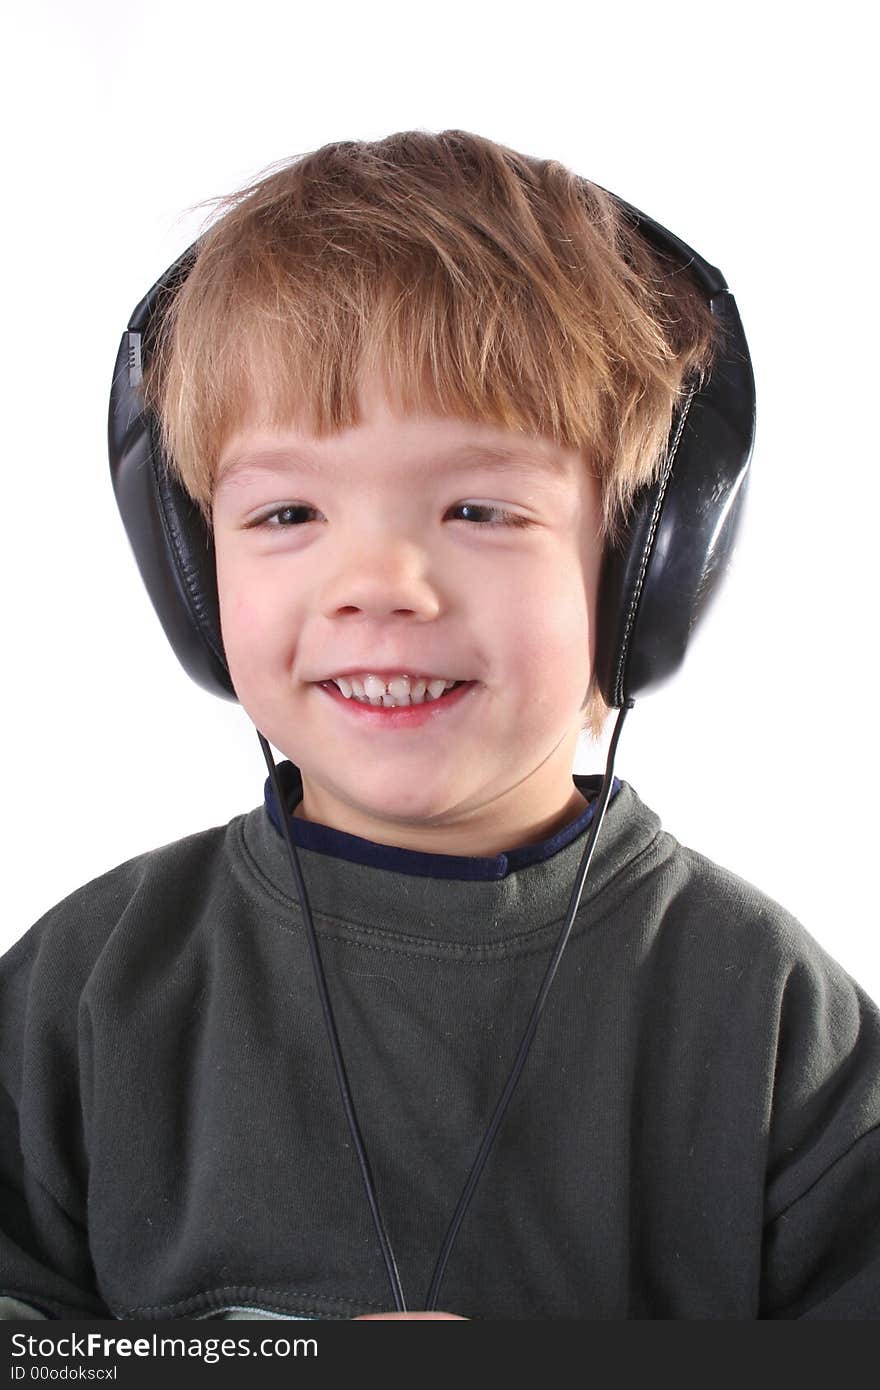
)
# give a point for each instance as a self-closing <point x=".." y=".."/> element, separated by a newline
<point x="348" y="1103"/>
<point x="519" y="1062"/>
<point x="504" y="1100"/>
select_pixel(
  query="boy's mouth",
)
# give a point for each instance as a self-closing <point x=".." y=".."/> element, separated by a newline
<point x="378" y="694"/>
<point x="400" y="716"/>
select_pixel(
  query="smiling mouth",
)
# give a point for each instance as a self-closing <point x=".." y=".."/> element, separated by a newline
<point x="395" y="715"/>
<point x="389" y="702"/>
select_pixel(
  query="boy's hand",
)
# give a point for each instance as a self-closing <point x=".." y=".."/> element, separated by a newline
<point x="367" y="1317"/>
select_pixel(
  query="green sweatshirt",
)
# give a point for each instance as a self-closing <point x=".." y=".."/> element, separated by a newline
<point x="696" y="1133"/>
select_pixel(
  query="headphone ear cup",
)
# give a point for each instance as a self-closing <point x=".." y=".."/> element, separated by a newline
<point x="171" y="541"/>
<point x="656" y="585"/>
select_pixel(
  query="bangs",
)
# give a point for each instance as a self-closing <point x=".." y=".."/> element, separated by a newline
<point x="465" y="279"/>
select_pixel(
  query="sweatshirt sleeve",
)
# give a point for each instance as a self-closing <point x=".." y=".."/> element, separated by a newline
<point x="45" y="1264"/>
<point x="821" y="1248"/>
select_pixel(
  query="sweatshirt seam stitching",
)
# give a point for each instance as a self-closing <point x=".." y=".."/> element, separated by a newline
<point x="34" y="1174"/>
<point x="41" y="1302"/>
<point x="462" y="948"/>
<point x="204" y="1296"/>
<point x="783" y="1211"/>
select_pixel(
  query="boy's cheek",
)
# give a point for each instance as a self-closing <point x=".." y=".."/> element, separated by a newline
<point x="249" y="630"/>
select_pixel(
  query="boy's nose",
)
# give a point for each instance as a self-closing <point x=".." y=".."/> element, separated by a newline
<point x="381" y="578"/>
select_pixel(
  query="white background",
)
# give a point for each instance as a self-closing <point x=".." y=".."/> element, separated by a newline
<point x="749" y="131"/>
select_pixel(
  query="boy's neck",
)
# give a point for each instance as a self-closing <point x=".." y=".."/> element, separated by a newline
<point x="537" y="834"/>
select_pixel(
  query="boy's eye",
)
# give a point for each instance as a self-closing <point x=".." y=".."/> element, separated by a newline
<point x="283" y="517"/>
<point x="510" y="518"/>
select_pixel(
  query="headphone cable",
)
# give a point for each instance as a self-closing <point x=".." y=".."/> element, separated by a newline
<point x="531" y="1027"/>
<point x="519" y="1062"/>
<point x="330" y="1021"/>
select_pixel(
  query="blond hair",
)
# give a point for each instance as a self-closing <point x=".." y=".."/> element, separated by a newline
<point x="468" y="278"/>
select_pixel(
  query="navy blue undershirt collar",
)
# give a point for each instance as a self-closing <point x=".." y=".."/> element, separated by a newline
<point x="323" y="839"/>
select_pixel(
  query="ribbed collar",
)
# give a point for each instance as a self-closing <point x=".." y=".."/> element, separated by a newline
<point x="323" y="839"/>
<point x="473" y="902"/>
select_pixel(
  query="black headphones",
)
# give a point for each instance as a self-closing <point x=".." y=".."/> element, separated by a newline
<point x="655" y="586"/>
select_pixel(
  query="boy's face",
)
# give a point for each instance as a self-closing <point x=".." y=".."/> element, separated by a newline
<point x="378" y="568"/>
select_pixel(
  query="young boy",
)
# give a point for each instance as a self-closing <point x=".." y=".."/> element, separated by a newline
<point x="413" y="387"/>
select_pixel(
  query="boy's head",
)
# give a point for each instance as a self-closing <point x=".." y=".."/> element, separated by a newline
<point x="376" y="313"/>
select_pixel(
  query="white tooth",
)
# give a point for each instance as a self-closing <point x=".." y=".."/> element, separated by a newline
<point x="345" y="686"/>
<point x="399" y="688"/>
<point x="436" y="688"/>
<point x="374" y="689"/>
